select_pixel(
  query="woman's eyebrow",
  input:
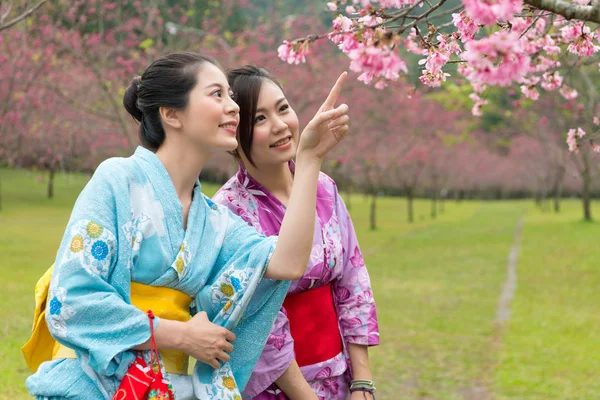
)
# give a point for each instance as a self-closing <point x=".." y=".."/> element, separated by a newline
<point x="276" y="104"/>
<point x="217" y="84"/>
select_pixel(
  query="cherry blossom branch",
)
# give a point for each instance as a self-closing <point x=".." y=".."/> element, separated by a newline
<point x="422" y="16"/>
<point x="392" y="18"/>
<point x="530" y="26"/>
<point x="19" y="18"/>
<point x="569" y="10"/>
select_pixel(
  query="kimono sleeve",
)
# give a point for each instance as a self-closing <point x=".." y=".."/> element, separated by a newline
<point x="356" y="306"/>
<point x="276" y="357"/>
<point x="236" y="296"/>
<point x="88" y="301"/>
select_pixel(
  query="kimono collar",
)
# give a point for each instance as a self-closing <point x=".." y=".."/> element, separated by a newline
<point x="158" y="173"/>
<point x="254" y="187"/>
<point x="165" y="192"/>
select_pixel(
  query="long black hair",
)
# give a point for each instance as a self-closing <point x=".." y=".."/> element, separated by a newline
<point x="167" y="82"/>
<point x="246" y="82"/>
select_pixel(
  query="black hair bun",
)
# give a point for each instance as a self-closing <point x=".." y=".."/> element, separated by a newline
<point x="130" y="99"/>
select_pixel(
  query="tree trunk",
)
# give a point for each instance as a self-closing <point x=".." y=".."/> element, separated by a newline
<point x="51" y="184"/>
<point x="372" y="221"/>
<point x="409" y="202"/>
<point x="557" y="188"/>
<point x="587" y="212"/>
<point x="538" y="198"/>
<point x="433" y="204"/>
<point x="557" y="196"/>
<point x="434" y="193"/>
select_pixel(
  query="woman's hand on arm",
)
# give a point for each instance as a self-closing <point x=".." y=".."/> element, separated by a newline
<point x="324" y="131"/>
<point x="198" y="337"/>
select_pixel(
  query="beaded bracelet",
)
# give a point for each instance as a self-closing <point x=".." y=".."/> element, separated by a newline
<point x="362" y="385"/>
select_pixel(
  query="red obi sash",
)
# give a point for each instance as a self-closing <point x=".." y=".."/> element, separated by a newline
<point x="314" y="325"/>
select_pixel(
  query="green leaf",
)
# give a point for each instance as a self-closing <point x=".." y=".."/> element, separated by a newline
<point x="146" y="44"/>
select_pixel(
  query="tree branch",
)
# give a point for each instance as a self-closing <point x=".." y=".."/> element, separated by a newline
<point x="569" y="10"/>
<point x="22" y="16"/>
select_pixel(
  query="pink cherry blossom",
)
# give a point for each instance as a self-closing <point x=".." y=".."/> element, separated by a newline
<point x="342" y="24"/>
<point x="291" y="53"/>
<point x="370" y="20"/>
<point x="519" y="24"/>
<point x="551" y="81"/>
<point x="549" y="45"/>
<point x="395" y="3"/>
<point x="497" y="60"/>
<point x="411" y="44"/>
<point x="332" y="6"/>
<point x="572" y="137"/>
<point x="583" y="45"/>
<point x="376" y="62"/>
<point x="465" y="25"/>
<point x="568" y="92"/>
<point x="479" y="103"/>
<point x="435" y="60"/>
<point x="449" y="44"/>
<point x="490" y="11"/>
<point x="542" y="64"/>
<point x="530" y="92"/>
<point x="433" y="79"/>
<point x="572" y="31"/>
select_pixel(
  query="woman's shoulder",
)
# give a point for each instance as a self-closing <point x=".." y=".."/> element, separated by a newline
<point x="110" y="183"/>
<point x="328" y="184"/>
<point x="115" y="170"/>
<point x="326" y="180"/>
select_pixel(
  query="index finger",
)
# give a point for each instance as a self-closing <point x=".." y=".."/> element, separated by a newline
<point x="335" y="92"/>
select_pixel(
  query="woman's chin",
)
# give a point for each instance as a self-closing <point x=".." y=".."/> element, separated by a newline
<point x="229" y="144"/>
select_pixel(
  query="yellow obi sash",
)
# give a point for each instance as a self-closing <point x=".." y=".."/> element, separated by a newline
<point x="164" y="302"/>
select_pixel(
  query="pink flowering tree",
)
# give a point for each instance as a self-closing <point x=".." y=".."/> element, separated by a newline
<point x="63" y="73"/>
<point x="532" y="45"/>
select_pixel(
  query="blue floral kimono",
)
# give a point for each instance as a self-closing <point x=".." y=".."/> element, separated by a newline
<point x="127" y="226"/>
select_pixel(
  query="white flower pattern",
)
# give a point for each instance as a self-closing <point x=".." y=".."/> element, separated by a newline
<point x="58" y="311"/>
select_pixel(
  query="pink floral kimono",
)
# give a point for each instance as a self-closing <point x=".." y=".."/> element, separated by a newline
<point x="336" y="262"/>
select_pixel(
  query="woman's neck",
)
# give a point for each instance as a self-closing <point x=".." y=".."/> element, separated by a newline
<point x="183" y="162"/>
<point x="277" y="179"/>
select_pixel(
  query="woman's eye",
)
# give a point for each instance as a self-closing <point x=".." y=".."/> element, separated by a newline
<point x="284" y="107"/>
<point x="259" y="119"/>
<point x="217" y="93"/>
<point x="232" y="95"/>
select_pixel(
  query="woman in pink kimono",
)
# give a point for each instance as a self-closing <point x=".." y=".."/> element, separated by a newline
<point x="318" y="347"/>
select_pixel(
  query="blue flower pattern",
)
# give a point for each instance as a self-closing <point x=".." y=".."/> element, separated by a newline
<point x="99" y="250"/>
<point x="55" y="306"/>
<point x="235" y="282"/>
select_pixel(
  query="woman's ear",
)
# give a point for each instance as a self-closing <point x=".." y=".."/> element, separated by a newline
<point x="170" y="116"/>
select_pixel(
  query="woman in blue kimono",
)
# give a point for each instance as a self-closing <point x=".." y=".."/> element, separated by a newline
<point x="142" y="236"/>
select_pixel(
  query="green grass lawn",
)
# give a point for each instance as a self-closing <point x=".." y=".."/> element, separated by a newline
<point x="436" y="283"/>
